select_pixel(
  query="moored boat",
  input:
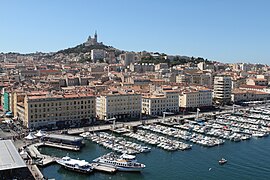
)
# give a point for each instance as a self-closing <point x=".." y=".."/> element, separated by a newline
<point x="75" y="164"/>
<point x="124" y="162"/>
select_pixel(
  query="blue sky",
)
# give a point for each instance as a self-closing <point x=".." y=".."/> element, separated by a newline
<point x="225" y="30"/>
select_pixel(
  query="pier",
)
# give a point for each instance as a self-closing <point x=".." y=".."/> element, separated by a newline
<point x="35" y="172"/>
<point x="43" y="159"/>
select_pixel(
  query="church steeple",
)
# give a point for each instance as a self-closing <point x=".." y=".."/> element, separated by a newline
<point x="95" y="36"/>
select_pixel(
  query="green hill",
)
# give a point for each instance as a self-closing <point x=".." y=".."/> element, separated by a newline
<point x="83" y="49"/>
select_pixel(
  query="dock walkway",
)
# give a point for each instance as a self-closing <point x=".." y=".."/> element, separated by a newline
<point x="35" y="172"/>
<point x="34" y="153"/>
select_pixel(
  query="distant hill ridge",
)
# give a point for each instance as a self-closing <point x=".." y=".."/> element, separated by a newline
<point x="82" y="48"/>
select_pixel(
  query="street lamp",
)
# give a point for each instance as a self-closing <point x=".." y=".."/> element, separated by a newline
<point x="197" y="116"/>
<point x="164" y="113"/>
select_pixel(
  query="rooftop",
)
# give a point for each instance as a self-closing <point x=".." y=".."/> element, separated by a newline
<point x="9" y="156"/>
<point x="253" y="86"/>
<point x="64" y="137"/>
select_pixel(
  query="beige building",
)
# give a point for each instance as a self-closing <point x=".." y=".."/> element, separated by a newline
<point x="257" y="81"/>
<point x="119" y="105"/>
<point x="239" y="95"/>
<point x="195" y="97"/>
<point x="195" y="78"/>
<point x="255" y="88"/>
<point x="157" y="103"/>
<point x="222" y="89"/>
<point x="56" y="110"/>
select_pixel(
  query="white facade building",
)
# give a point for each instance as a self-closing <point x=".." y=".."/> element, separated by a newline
<point x="222" y="89"/>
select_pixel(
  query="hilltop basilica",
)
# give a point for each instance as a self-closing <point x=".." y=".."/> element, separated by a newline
<point x="92" y="41"/>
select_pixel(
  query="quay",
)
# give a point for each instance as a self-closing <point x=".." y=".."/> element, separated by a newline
<point x="35" y="172"/>
<point x="100" y="167"/>
<point x="43" y="159"/>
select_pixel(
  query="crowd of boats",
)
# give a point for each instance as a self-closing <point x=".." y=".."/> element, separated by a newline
<point x="235" y="127"/>
<point x="159" y="141"/>
<point x="117" y="144"/>
<point x="185" y="135"/>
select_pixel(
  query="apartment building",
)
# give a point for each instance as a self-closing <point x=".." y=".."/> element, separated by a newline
<point x="195" y="78"/>
<point x="142" y="68"/>
<point x="119" y="104"/>
<point x="239" y="95"/>
<point x="157" y="103"/>
<point x="195" y="97"/>
<point x="222" y="89"/>
<point x="257" y="82"/>
<point x="56" y="110"/>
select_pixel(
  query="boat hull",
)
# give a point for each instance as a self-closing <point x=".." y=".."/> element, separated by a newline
<point x="75" y="169"/>
<point x="121" y="168"/>
<point x="129" y="169"/>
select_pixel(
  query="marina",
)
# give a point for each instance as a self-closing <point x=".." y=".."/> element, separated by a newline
<point x="241" y="162"/>
<point x="118" y="144"/>
<point x="225" y="130"/>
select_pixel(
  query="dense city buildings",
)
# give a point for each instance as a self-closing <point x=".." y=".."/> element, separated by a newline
<point x="93" y="82"/>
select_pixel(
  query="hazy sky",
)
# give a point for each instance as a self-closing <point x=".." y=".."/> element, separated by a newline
<point x="225" y="30"/>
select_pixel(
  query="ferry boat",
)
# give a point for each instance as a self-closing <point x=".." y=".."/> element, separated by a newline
<point x="75" y="164"/>
<point x="124" y="162"/>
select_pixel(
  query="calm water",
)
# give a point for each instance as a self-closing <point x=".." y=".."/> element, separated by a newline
<point x="246" y="160"/>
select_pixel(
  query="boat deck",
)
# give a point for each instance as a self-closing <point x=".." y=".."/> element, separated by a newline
<point x="100" y="167"/>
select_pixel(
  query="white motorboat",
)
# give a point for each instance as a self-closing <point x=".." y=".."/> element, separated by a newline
<point x="75" y="164"/>
<point x="122" y="163"/>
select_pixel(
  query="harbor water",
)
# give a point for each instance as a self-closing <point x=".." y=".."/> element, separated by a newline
<point x="246" y="160"/>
